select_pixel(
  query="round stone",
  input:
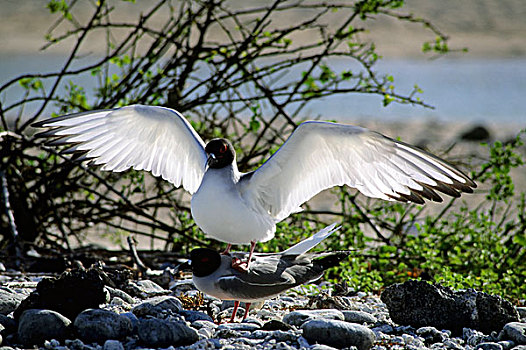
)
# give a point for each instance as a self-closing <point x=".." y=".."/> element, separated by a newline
<point x="338" y="334"/>
<point x="35" y="326"/>
<point x="158" y="306"/>
<point x="298" y="317"/>
<point x="361" y="317"/>
<point x="155" y="332"/>
<point x="97" y="325"/>
<point x="515" y="331"/>
<point x="113" y="345"/>
<point x="9" y="301"/>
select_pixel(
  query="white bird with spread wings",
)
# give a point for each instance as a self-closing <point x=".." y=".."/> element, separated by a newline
<point x="243" y="208"/>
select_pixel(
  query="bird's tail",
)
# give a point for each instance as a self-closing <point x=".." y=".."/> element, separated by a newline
<point x="331" y="259"/>
<point x="311" y="242"/>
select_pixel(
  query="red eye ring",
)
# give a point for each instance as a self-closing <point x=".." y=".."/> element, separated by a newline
<point x="223" y="148"/>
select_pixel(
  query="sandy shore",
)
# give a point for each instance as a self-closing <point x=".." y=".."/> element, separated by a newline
<point x="488" y="28"/>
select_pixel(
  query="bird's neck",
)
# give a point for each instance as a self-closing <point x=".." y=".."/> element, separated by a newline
<point x="229" y="172"/>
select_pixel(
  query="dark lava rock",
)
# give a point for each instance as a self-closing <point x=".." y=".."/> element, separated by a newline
<point x="9" y="300"/>
<point x="421" y="304"/>
<point x="431" y="335"/>
<point x="339" y="334"/>
<point x="113" y="345"/>
<point x="8" y="324"/>
<point x="276" y="325"/>
<point x="155" y="332"/>
<point x="97" y="325"/>
<point x="476" y="133"/>
<point x="77" y="344"/>
<point x="192" y="315"/>
<point x="36" y="326"/>
<point x="133" y="319"/>
<point x="69" y="294"/>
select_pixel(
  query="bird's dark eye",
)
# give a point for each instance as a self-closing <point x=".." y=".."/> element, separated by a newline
<point x="223" y="148"/>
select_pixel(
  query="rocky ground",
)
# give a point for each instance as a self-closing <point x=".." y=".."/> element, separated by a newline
<point x="137" y="313"/>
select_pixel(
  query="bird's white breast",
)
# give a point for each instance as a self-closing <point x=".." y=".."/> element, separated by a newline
<point x="208" y="286"/>
<point x="221" y="212"/>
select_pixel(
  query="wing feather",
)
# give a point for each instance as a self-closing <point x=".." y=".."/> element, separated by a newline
<point x="320" y="155"/>
<point x="155" y="139"/>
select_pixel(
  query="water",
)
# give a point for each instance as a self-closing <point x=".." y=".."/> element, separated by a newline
<point x="460" y="90"/>
<point x="463" y="90"/>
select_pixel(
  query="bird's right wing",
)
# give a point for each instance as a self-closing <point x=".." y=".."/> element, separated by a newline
<point x="320" y="155"/>
<point x="155" y="139"/>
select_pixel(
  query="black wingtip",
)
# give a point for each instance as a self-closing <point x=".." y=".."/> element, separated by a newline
<point x="59" y="141"/>
<point x="80" y="157"/>
<point x="47" y="133"/>
<point x="39" y="124"/>
<point x="411" y="197"/>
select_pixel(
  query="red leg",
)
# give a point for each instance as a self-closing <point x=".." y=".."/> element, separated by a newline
<point x="247" y="307"/>
<point x="227" y="250"/>
<point x="236" y="305"/>
<point x="252" y="246"/>
<point x="242" y="266"/>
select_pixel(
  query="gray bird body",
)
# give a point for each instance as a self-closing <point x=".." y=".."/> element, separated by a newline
<point x="268" y="275"/>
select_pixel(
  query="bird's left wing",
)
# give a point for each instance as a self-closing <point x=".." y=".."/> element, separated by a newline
<point x="155" y="139"/>
<point x="320" y="155"/>
<point x="252" y="290"/>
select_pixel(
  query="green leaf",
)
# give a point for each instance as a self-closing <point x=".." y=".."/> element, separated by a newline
<point x="426" y="47"/>
<point x="387" y="100"/>
<point x="31" y="83"/>
<point x="254" y="125"/>
<point x="55" y="6"/>
<point x="520" y="239"/>
<point x="326" y="74"/>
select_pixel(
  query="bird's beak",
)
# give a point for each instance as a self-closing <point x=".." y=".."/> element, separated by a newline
<point x="187" y="265"/>
<point x="211" y="158"/>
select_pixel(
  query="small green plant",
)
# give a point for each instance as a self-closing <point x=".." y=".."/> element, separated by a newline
<point x="482" y="246"/>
